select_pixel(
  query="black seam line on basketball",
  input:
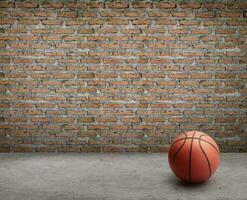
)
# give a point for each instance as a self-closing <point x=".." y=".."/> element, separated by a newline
<point x="186" y="138"/>
<point x="209" y="166"/>
<point x="216" y="148"/>
<point x="190" y="178"/>
<point x="197" y="139"/>
<point x="175" y="155"/>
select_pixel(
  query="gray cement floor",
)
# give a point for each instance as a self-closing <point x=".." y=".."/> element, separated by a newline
<point x="113" y="177"/>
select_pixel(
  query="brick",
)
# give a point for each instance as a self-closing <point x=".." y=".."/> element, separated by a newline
<point x="89" y="14"/>
<point x="141" y="22"/>
<point x="76" y="5"/>
<point x="201" y="31"/>
<point x="67" y="14"/>
<point x="190" y="5"/>
<point x="6" y="4"/>
<point x="225" y="76"/>
<point x="190" y="22"/>
<point x="201" y="76"/>
<point x="142" y="5"/>
<point x="225" y="31"/>
<point x="107" y="30"/>
<point x="52" y="38"/>
<point x="225" y="120"/>
<point x="44" y="14"/>
<point x="41" y="31"/>
<point x="189" y="38"/>
<point x="85" y="75"/>
<point x="52" y="5"/>
<point x="137" y="149"/>
<point x="137" y="105"/>
<point x="178" y="120"/>
<point x="90" y="105"/>
<point x="96" y="5"/>
<point x="28" y="21"/>
<point x="131" y="120"/>
<point x="201" y="120"/>
<point x="213" y="5"/>
<point x="75" y="22"/>
<point x="118" y="5"/>
<point x="165" y="5"/>
<point x="4" y="148"/>
<point x="159" y="149"/>
<point x="62" y="120"/>
<point x="85" y="31"/>
<point x="22" y="14"/>
<point x="106" y="119"/>
<point x="230" y="14"/>
<point x="22" y="149"/>
<point x="65" y="46"/>
<point x="158" y="14"/>
<point x="130" y="75"/>
<point x="134" y="14"/>
<point x="182" y="14"/>
<point x="85" y="119"/>
<point x="236" y="23"/>
<point x="87" y="89"/>
<point x="96" y="21"/>
<point x="87" y="45"/>
<point x="7" y="21"/>
<point x="205" y="14"/>
<point x="154" y="30"/>
<point x="166" y="22"/>
<point x="111" y="149"/>
<point x="27" y="5"/>
<point x="118" y="22"/>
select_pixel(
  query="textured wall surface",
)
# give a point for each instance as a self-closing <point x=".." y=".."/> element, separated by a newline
<point x="121" y="76"/>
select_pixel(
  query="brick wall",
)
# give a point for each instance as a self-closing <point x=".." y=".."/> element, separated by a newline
<point x="121" y="76"/>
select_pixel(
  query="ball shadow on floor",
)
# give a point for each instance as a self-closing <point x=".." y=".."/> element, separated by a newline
<point x="173" y="180"/>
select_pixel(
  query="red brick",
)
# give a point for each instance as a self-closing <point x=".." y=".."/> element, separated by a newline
<point x="142" y="5"/>
<point x="85" y="120"/>
<point x="52" y="5"/>
<point x="133" y="14"/>
<point x="90" y="105"/>
<point x="141" y="22"/>
<point x="97" y="21"/>
<point x="27" y="5"/>
<point x="230" y="14"/>
<point x="44" y="14"/>
<point x="7" y="21"/>
<point x="131" y="119"/>
<point x="67" y="14"/>
<point x="118" y="5"/>
<point x="165" y="5"/>
<point x="190" y="5"/>
<point x="85" y="31"/>
<point x="205" y="14"/>
<point x="118" y="21"/>
<point x="87" y="45"/>
<point x="166" y="22"/>
<point x="189" y="22"/>
<point x="22" y="149"/>
<point x="181" y="14"/>
<point x="28" y="21"/>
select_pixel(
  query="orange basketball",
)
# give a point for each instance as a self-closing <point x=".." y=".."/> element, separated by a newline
<point x="194" y="156"/>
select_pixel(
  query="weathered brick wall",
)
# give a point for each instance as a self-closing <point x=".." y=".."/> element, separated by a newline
<point x="128" y="76"/>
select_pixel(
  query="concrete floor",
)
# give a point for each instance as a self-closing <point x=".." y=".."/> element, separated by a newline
<point x="113" y="177"/>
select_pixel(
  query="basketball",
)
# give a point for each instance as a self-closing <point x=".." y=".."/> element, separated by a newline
<point x="194" y="156"/>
